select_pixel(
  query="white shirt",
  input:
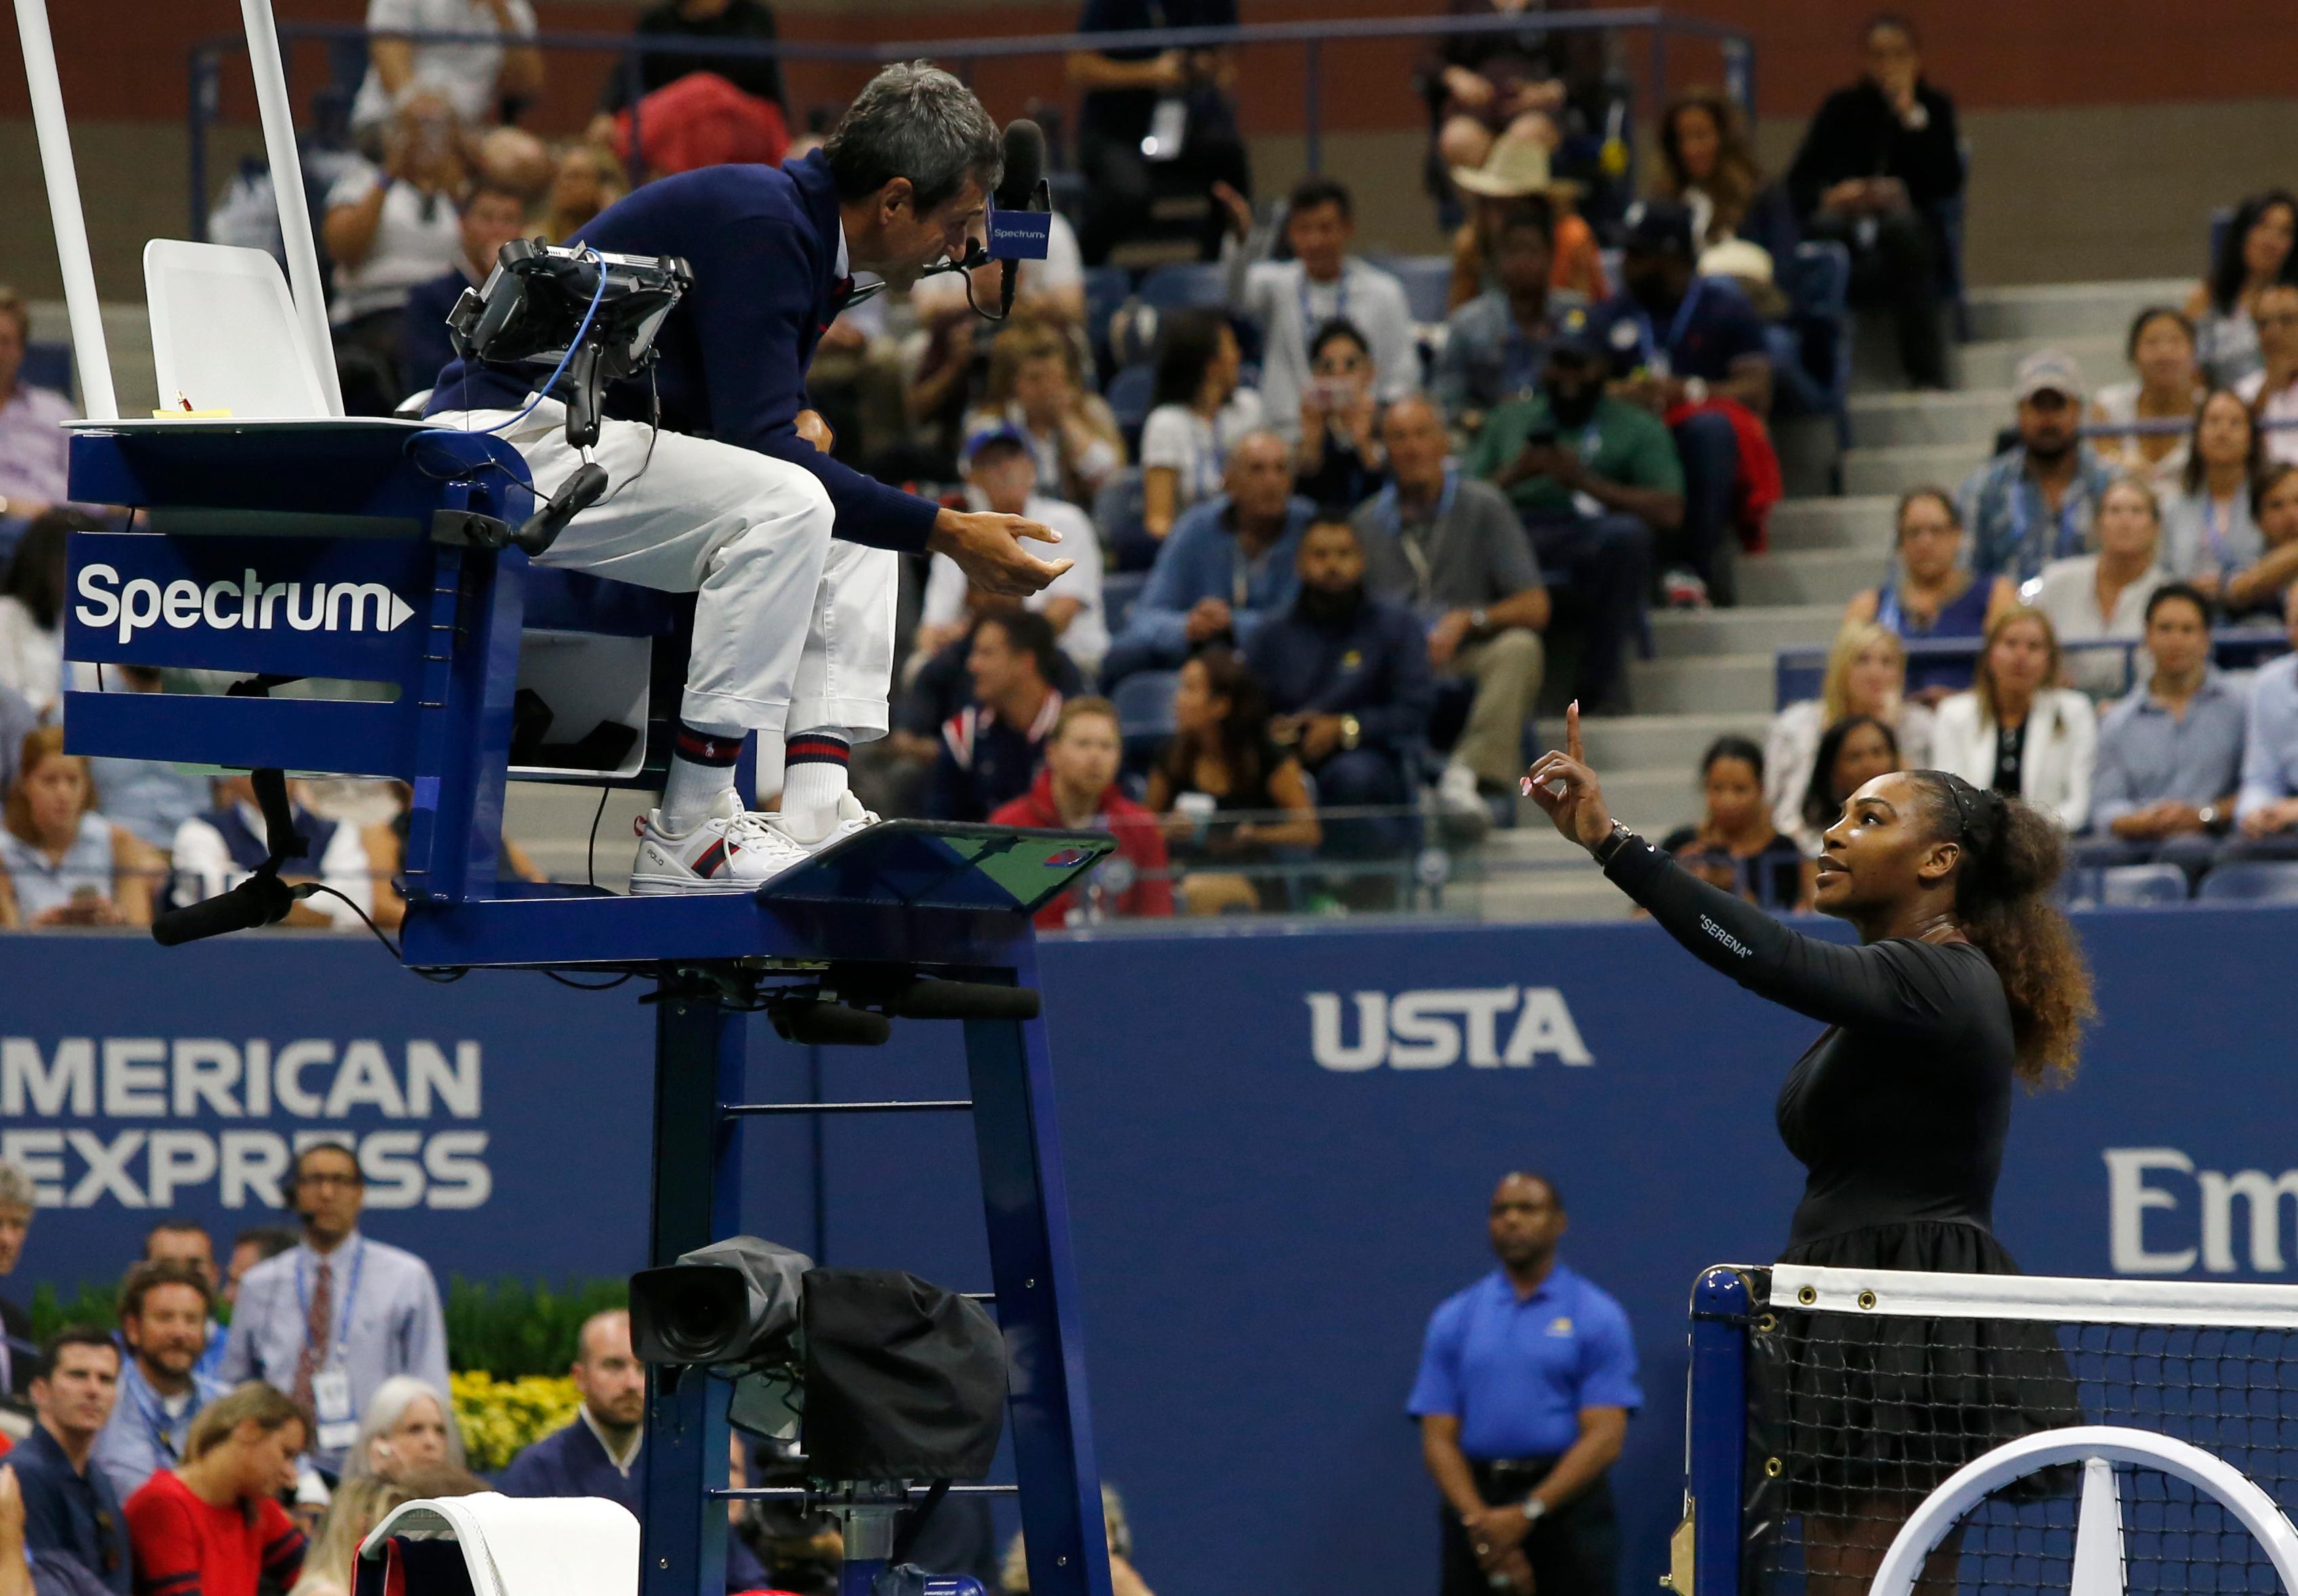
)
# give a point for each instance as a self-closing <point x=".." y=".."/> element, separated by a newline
<point x="201" y="854"/>
<point x="1087" y="637"/>
<point x="1791" y="750"/>
<point x="417" y="237"/>
<point x="31" y="660"/>
<point x="2118" y="403"/>
<point x="1275" y="293"/>
<point x="463" y="73"/>
<point x="1063" y="268"/>
<point x="1094" y="465"/>
<point x="2054" y="767"/>
<point x="2068" y="592"/>
<point x="1196" y="449"/>
<point x="2281" y="441"/>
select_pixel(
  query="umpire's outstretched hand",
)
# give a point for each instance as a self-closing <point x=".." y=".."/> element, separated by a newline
<point x="986" y="547"/>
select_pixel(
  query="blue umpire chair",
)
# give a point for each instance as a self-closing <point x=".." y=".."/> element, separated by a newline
<point x="273" y="539"/>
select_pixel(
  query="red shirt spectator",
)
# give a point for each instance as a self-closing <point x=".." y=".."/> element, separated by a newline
<point x="1077" y="791"/>
<point x="212" y="1527"/>
<point x="188" y="1547"/>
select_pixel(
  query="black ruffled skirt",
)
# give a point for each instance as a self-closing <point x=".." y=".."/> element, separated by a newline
<point x="1850" y="1408"/>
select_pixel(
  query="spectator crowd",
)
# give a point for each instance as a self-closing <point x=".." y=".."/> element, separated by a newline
<point x="252" y="1417"/>
<point x="1339" y="521"/>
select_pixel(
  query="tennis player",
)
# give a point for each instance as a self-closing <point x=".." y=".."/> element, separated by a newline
<point x="1966" y="978"/>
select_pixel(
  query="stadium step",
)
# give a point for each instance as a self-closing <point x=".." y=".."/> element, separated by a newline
<point x="1863" y="523"/>
<point x="1687" y="633"/>
<point x="1990" y="363"/>
<point x="1807" y="576"/>
<point x="1891" y="471"/>
<point x="1970" y="418"/>
<point x="1712" y="684"/>
<point x="1661" y="743"/>
<point x="2053" y="311"/>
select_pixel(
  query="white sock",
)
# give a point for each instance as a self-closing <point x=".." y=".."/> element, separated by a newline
<point x="701" y="768"/>
<point x="814" y="779"/>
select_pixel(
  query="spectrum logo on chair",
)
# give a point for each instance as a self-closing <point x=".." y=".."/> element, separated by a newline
<point x="250" y="603"/>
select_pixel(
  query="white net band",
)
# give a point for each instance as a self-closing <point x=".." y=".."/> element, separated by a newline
<point x="2053" y="1299"/>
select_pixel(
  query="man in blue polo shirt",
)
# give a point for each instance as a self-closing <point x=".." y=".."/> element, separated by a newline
<point x="1679" y="339"/>
<point x="70" y="1511"/>
<point x="1527" y="1381"/>
<point x="598" y="1454"/>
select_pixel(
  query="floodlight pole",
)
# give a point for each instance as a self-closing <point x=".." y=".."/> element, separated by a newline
<point x="89" y="351"/>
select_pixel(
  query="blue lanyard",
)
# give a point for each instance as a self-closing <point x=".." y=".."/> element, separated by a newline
<point x="1212" y="454"/>
<point x="1677" y="327"/>
<point x="155" y="1416"/>
<point x="1517" y="373"/>
<point x="1340" y="307"/>
<point x="2069" y="539"/>
<point x="342" y="1340"/>
<point x="1390" y="508"/>
<point x="2215" y="528"/>
<point x="1887" y="614"/>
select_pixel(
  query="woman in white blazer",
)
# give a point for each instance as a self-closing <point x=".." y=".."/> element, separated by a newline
<point x="2016" y="731"/>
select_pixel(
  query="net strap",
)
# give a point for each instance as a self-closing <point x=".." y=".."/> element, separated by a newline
<point x="2052" y="1298"/>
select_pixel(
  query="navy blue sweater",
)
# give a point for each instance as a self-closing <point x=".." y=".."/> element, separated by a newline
<point x="762" y="242"/>
<point x="1371" y="663"/>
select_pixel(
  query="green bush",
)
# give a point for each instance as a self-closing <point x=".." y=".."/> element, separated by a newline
<point x="90" y="1304"/>
<point x="508" y="1329"/>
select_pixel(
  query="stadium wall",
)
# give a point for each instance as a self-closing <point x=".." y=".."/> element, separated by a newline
<point x="2102" y="137"/>
<point x="1273" y="1181"/>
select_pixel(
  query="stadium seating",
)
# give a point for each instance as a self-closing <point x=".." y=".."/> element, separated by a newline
<point x="2252" y="883"/>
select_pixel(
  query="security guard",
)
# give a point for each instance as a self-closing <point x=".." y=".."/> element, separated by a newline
<point x="1527" y="1381"/>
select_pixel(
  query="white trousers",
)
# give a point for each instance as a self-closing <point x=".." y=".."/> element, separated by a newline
<point x="792" y="631"/>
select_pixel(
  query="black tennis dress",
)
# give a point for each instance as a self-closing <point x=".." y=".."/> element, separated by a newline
<point x="1897" y="1113"/>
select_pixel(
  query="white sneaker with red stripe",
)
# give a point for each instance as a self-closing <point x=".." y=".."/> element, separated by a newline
<point x="733" y="850"/>
<point x="850" y="818"/>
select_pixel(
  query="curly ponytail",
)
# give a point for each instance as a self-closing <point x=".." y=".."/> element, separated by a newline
<point x="2013" y="857"/>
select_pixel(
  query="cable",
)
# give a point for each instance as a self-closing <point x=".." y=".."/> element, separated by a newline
<point x="584" y="985"/>
<point x="598" y="296"/>
<point x="437" y="977"/>
<point x="449" y="977"/>
<point x="591" y="849"/>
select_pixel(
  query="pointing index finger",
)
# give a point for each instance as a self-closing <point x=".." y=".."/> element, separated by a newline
<point x="1572" y="732"/>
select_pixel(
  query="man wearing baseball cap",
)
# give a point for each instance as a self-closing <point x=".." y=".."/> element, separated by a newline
<point x="1678" y="339"/>
<point x="2033" y="503"/>
<point x="1001" y="468"/>
<point x="1595" y="479"/>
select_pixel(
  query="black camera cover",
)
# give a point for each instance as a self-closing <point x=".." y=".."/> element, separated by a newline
<point x="904" y="1380"/>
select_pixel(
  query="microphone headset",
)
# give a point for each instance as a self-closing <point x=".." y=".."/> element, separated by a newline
<point x="1023" y="187"/>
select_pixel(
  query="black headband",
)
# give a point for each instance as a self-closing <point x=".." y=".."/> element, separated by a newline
<point x="1967" y="799"/>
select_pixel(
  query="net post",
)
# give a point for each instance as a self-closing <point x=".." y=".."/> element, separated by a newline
<point x="1715" y="1441"/>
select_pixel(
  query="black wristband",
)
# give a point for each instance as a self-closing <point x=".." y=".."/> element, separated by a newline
<point x="1606" y="851"/>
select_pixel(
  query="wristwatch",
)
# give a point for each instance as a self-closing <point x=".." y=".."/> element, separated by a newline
<point x="1352" y="730"/>
<point x="1480" y="621"/>
<point x="1604" y="852"/>
<point x="1534" y="1509"/>
<point x="2209" y="817"/>
<point x="1695" y="390"/>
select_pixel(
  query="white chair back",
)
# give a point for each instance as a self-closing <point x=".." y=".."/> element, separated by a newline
<point x="224" y="334"/>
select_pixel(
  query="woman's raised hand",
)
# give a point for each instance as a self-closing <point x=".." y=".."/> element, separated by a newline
<point x="1567" y="790"/>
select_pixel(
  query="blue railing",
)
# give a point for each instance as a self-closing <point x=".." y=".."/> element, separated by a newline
<point x="1796" y="671"/>
<point x="1737" y="48"/>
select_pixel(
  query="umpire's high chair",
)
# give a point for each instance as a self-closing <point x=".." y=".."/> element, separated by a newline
<point x="273" y="539"/>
